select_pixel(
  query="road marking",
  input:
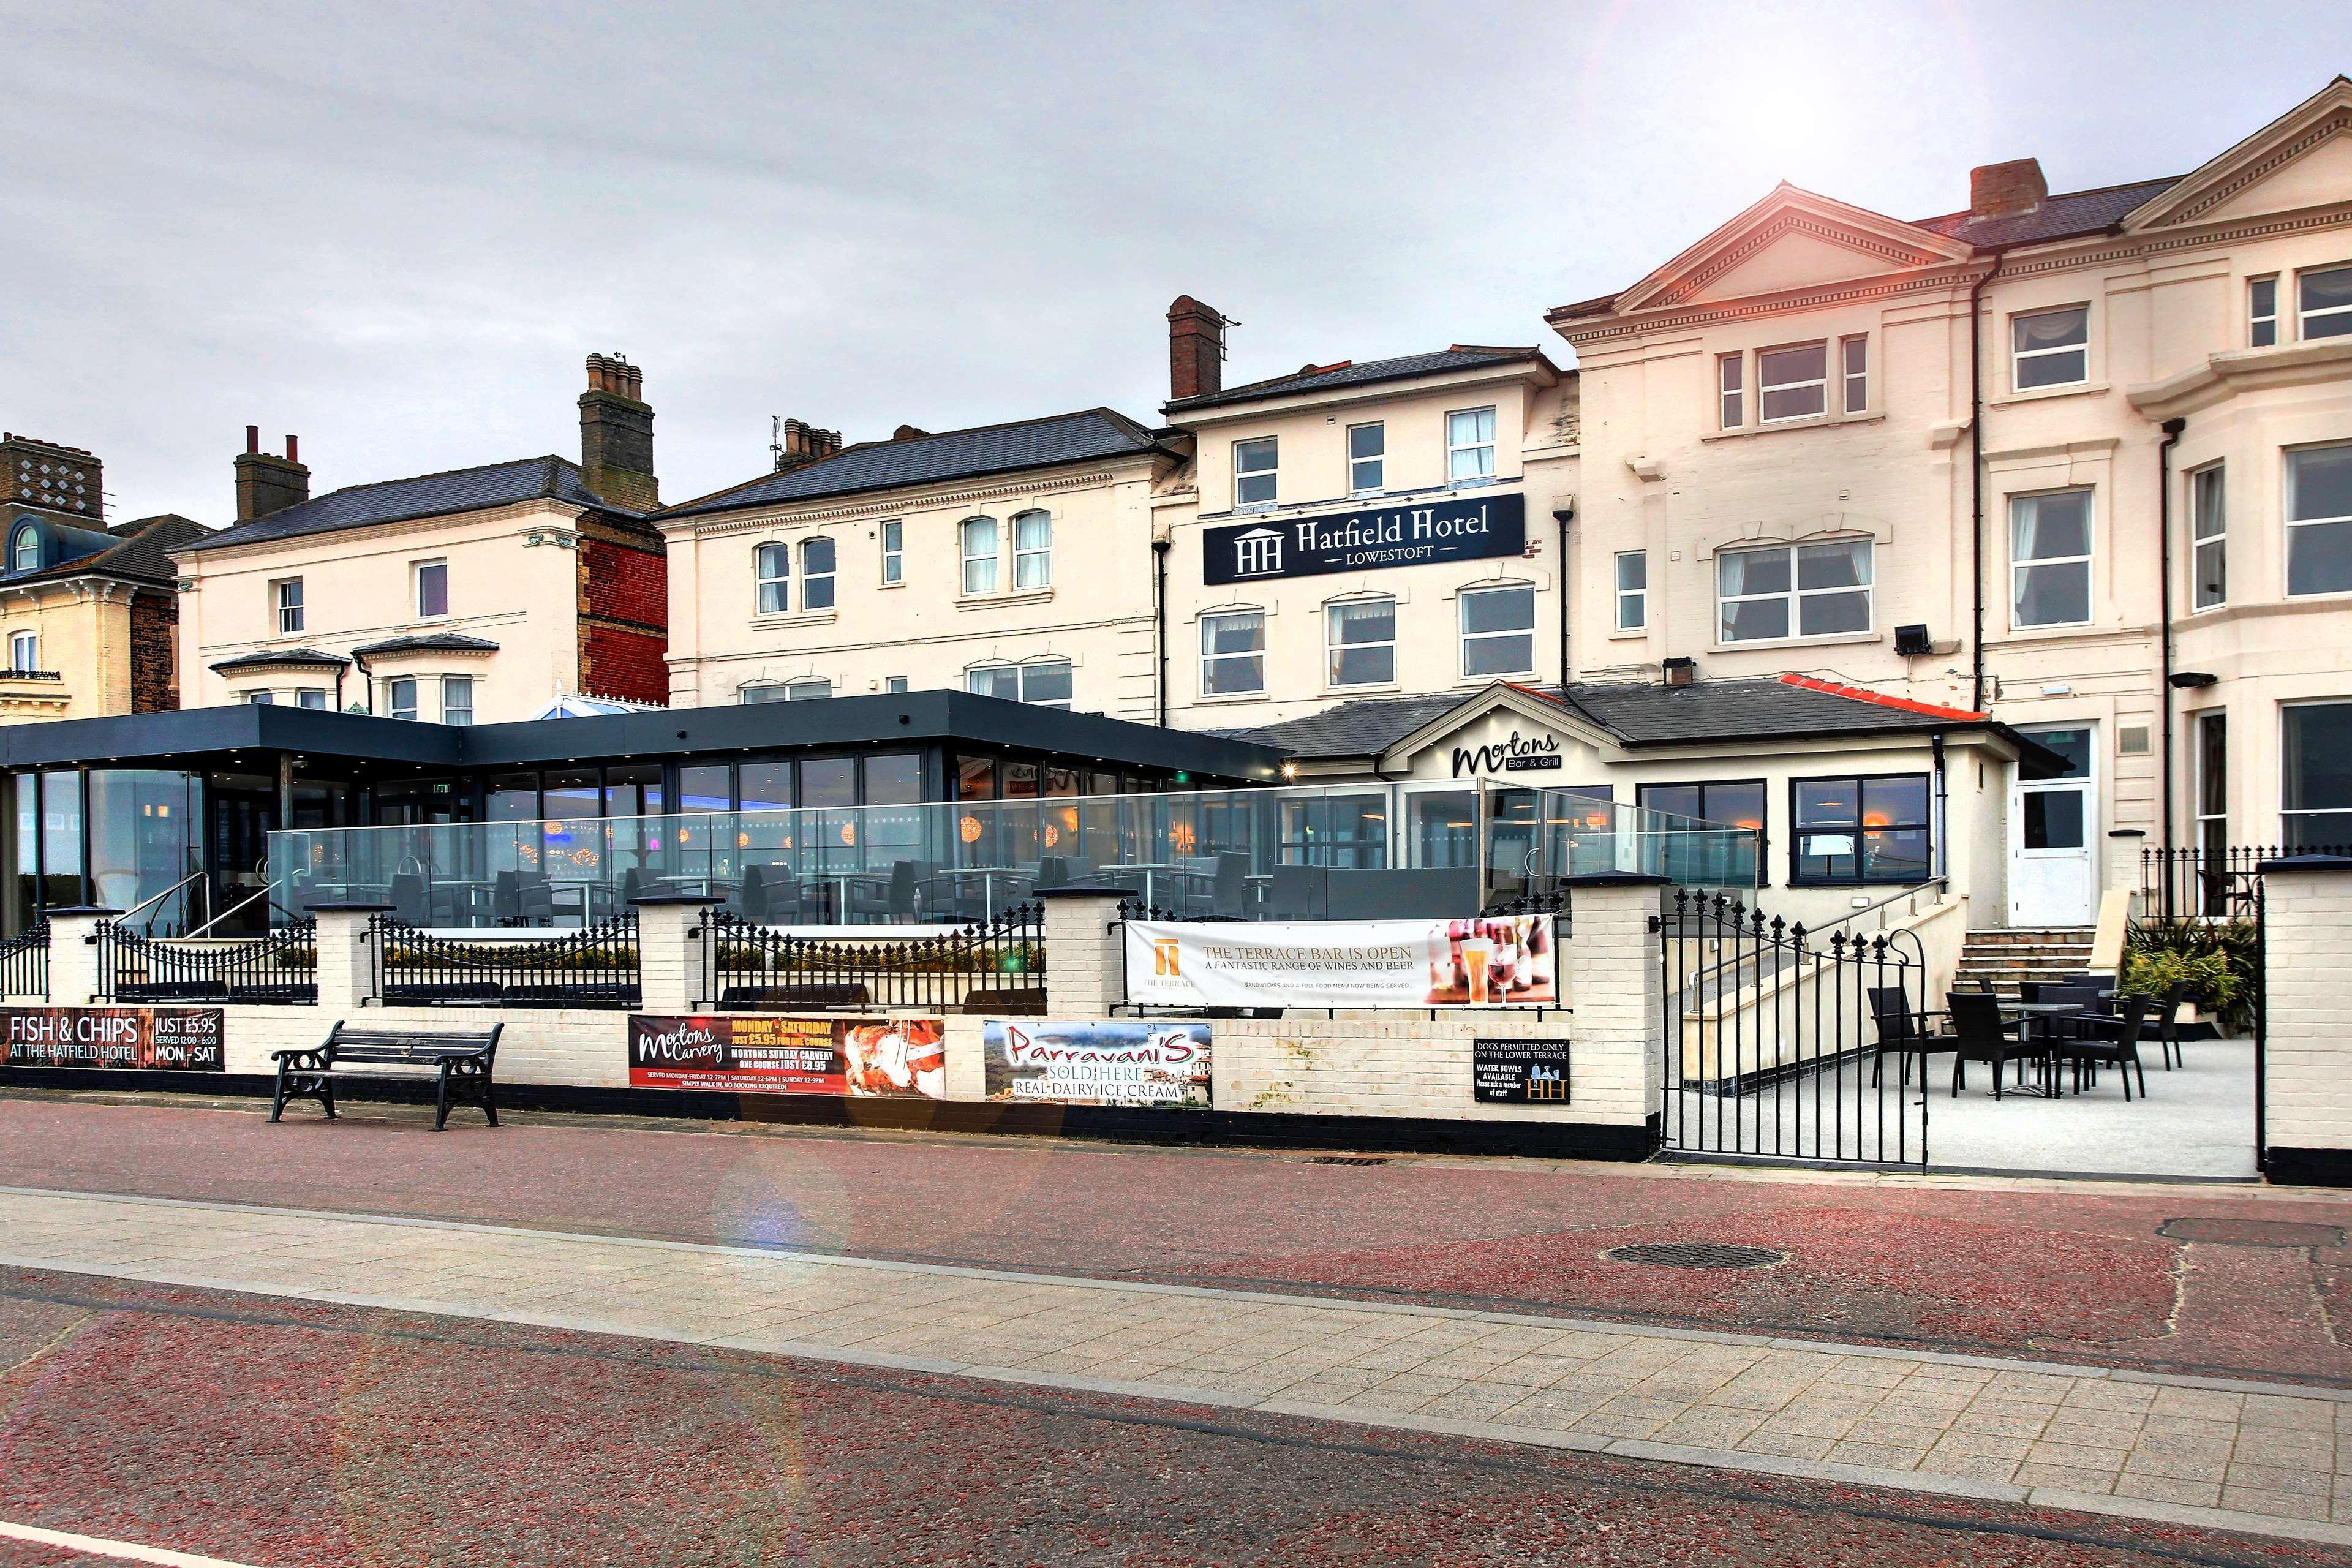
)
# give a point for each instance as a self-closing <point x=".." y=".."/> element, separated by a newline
<point x="121" y="1551"/>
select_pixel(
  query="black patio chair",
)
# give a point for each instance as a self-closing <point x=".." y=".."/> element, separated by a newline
<point x="1229" y="885"/>
<point x="2108" y="1037"/>
<point x="2163" y="1024"/>
<point x="1980" y="1033"/>
<point x="1904" y="1030"/>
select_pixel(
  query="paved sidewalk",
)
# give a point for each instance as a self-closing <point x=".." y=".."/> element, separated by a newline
<point x="2270" y="1459"/>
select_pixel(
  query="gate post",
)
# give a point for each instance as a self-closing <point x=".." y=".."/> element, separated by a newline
<point x="2304" y="1023"/>
<point x="73" y="953"/>
<point x="346" y="975"/>
<point x="670" y="960"/>
<point x="1086" y="958"/>
<point x="1621" y="997"/>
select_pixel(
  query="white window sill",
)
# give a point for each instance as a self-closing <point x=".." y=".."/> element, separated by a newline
<point x="1004" y="596"/>
<point x="2062" y="628"/>
<point x="1473" y="682"/>
<point x="1222" y="698"/>
<point x="1630" y="634"/>
<point x="1367" y="690"/>
<point x="2041" y="394"/>
<point x="1811" y="422"/>
<point x="899" y="584"/>
<point x="1830" y="641"/>
<point x="786" y="620"/>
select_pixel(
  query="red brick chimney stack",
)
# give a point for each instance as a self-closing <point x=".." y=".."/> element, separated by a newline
<point x="2017" y="186"/>
<point x="266" y="483"/>
<point x="799" y="442"/>
<point x="1196" y="349"/>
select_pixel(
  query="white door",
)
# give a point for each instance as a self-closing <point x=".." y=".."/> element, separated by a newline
<point x="2053" y="832"/>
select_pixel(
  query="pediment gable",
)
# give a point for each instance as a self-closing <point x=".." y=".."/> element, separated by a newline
<point x="2301" y="160"/>
<point x="1503" y="729"/>
<point x="1790" y="242"/>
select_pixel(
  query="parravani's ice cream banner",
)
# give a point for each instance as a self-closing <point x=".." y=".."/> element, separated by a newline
<point x="1111" y="1061"/>
<point x="1501" y="961"/>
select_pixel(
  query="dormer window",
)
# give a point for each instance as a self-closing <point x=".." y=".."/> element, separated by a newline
<point x="25" y="554"/>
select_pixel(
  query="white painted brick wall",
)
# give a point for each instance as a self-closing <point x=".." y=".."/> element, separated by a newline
<point x="2308" y="1009"/>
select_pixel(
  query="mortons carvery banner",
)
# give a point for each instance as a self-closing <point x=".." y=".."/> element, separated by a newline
<point x="1501" y="961"/>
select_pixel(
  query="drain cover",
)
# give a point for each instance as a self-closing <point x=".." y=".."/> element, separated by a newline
<point x="2252" y="1232"/>
<point x="1695" y="1255"/>
<point x="1344" y="1160"/>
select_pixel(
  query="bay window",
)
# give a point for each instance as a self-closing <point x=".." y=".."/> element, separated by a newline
<point x="2324" y="301"/>
<point x="2319" y="520"/>
<point x="456" y="700"/>
<point x="2209" y="565"/>
<point x="2261" y="312"/>
<point x="401" y="697"/>
<point x="2316" y="773"/>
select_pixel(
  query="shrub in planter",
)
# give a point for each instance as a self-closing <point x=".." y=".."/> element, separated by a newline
<point x="2215" y="958"/>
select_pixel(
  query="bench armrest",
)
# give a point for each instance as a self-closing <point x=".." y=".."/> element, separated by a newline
<point x="307" y="1056"/>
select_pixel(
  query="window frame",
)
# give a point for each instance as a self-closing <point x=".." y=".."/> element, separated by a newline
<point x="2089" y="562"/>
<point x="994" y="560"/>
<point x="1332" y="648"/>
<point x="2200" y="542"/>
<point x="2303" y="316"/>
<point x="30" y="658"/>
<point x="1023" y="555"/>
<point x="1731" y="391"/>
<point x="1487" y="445"/>
<point x="451" y="684"/>
<point x="776" y="551"/>
<point x="1271" y="473"/>
<point x="810" y="577"/>
<point x="743" y="698"/>
<point x="1796" y="594"/>
<point x="2290" y="842"/>
<point x="894" y="552"/>
<point x="26" y="537"/>
<point x="1853" y="381"/>
<point x="417" y="576"/>
<point x="1379" y="460"/>
<point x="1020" y="670"/>
<point x="1798" y="833"/>
<point x="1765" y="389"/>
<point x="803" y="688"/>
<point x="1640" y="593"/>
<point x="1763" y="829"/>
<point x="2262" y="323"/>
<point x="2017" y="355"/>
<point x="2288" y="502"/>
<point x="1210" y="656"/>
<point x="1464" y="636"/>
<point x="392" y="703"/>
<point x="288" y="606"/>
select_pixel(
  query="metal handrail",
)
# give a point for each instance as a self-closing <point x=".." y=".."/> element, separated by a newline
<point x="260" y="892"/>
<point x="199" y="878"/>
<point x="1910" y="892"/>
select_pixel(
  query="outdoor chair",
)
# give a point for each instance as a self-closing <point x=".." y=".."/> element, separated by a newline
<point x="1229" y="885"/>
<point x="2163" y="1026"/>
<point x="521" y="898"/>
<point x="2108" y="1037"/>
<point x="1905" y="1030"/>
<point x="751" y="900"/>
<point x="890" y="896"/>
<point x="1300" y="892"/>
<point x="1980" y="1033"/>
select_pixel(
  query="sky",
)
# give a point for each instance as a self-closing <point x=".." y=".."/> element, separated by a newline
<point x="396" y="230"/>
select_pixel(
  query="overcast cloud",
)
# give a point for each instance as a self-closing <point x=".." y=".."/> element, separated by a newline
<point x="396" y="230"/>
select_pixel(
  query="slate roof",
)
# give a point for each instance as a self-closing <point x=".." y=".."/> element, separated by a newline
<point x="1089" y="435"/>
<point x="2060" y="216"/>
<point x="1636" y="714"/>
<point x="283" y="659"/>
<point x="139" y="549"/>
<point x="426" y="495"/>
<point x="1461" y="356"/>
<point x="431" y="642"/>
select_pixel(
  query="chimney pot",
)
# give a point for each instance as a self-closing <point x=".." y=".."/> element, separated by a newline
<point x="616" y="434"/>
<point x="264" y="483"/>
<point x="293" y="451"/>
<point x="253" y="438"/>
<point x="1196" y="349"/>
<point x="2017" y="186"/>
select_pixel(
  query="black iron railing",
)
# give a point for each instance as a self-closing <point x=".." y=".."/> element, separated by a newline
<point x="2180" y="884"/>
<point x="1777" y="1044"/>
<point x="25" y="962"/>
<point x="996" y="966"/>
<point x="281" y="967"/>
<point x="598" y="967"/>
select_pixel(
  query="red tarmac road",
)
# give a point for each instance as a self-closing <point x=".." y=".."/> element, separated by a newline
<point x="276" y="1433"/>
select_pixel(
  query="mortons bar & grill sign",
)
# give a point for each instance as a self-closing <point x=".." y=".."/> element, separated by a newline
<point x="1414" y="533"/>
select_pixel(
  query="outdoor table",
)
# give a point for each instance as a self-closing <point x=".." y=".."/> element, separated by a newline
<point x="2037" y="1014"/>
<point x="1149" y="868"/>
<point x="987" y="875"/>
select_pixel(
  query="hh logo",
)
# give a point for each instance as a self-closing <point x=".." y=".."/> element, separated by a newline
<point x="1163" y="957"/>
<point x="1258" y="553"/>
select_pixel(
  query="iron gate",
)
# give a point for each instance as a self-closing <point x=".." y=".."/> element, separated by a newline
<point x="1782" y="1044"/>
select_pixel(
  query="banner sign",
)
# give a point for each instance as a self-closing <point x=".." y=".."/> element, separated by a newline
<point x="902" y="1058"/>
<point x="1488" y="962"/>
<point x="1118" y="1061"/>
<point x="171" y="1040"/>
<point x="1410" y="533"/>
<point x="1520" y="1072"/>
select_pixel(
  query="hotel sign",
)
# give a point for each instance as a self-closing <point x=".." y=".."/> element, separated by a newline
<point x="1414" y="533"/>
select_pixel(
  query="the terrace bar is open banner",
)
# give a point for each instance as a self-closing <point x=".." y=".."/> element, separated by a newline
<point x="169" y="1039"/>
<point x="893" y="1057"/>
<point x="1498" y="961"/>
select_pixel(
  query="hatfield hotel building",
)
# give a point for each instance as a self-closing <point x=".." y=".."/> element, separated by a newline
<point x="1968" y="545"/>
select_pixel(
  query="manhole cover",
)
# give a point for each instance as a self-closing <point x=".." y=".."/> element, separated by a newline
<point x="1695" y="1255"/>
<point x="1344" y="1160"/>
<point x="2252" y="1232"/>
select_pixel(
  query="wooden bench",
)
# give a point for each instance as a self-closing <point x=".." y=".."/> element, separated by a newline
<point x="796" y="998"/>
<point x="458" y="1065"/>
